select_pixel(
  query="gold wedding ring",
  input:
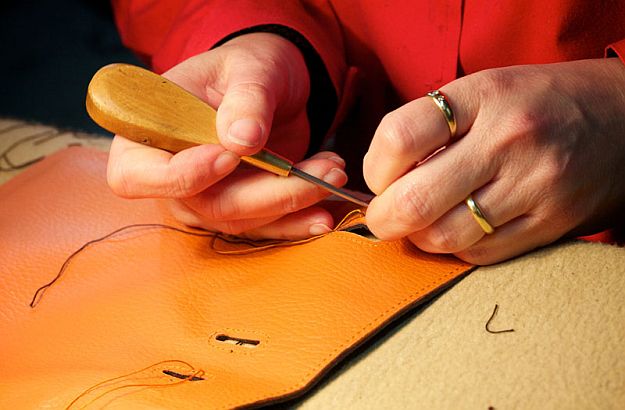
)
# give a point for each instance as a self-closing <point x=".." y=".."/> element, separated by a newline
<point x="478" y="215"/>
<point x="443" y="104"/>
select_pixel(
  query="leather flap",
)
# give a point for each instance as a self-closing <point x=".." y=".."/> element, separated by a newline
<point x="172" y="322"/>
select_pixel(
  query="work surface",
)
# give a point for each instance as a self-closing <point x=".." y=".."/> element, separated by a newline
<point x="565" y="304"/>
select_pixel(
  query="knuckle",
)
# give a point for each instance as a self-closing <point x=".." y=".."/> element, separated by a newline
<point x="493" y="86"/>
<point x="288" y="202"/>
<point x="231" y="228"/>
<point x="414" y="205"/>
<point x="187" y="180"/>
<point x="254" y="58"/>
<point x="395" y="134"/>
<point x="477" y="255"/>
<point x="443" y="239"/>
<point x="252" y="91"/>
<point x="219" y="208"/>
<point x="552" y="172"/>
<point x="494" y="81"/>
<point x="222" y="209"/>
<point x="547" y="190"/>
<point x="556" y="222"/>
<point x="526" y="123"/>
<point x="180" y="186"/>
<point x="119" y="182"/>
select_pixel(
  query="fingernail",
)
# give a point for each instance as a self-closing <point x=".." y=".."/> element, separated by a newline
<point x="225" y="162"/>
<point x="319" y="229"/>
<point x="337" y="160"/>
<point x="336" y="176"/>
<point x="245" y="132"/>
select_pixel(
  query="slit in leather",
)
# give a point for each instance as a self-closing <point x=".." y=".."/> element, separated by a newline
<point x="249" y="343"/>
<point x="188" y="377"/>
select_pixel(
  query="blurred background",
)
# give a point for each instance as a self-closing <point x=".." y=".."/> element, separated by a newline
<point x="49" y="49"/>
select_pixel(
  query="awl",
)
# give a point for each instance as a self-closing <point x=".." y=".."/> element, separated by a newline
<point x="149" y="109"/>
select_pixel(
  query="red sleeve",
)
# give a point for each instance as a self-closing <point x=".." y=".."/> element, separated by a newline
<point x="166" y="32"/>
<point x="143" y="24"/>
<point x="617" y="49"/>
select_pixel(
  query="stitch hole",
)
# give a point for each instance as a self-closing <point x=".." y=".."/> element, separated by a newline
<point x="249" y="343"/>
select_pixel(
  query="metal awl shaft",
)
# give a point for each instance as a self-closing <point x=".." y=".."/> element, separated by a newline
<point x="336" y="191"/>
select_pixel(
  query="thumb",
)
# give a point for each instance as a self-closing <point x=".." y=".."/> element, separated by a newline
<point x="245" y="115"/>
<point x="246" y="112"/>
<point x="264" y="72"/>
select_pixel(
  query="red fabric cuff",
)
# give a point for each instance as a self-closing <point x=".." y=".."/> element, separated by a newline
<point x="616" y="50"/>
<point x="201" y="25"/>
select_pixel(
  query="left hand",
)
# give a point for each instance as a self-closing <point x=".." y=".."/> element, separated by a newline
<point x="540" y="148"/>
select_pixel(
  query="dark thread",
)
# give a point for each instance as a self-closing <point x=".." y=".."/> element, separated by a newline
<point x="196" y="373"/>
<point x="189" y="377"/>
<point x="491" y="319"/>
<point x="37" y="138"/>
<point x="46" y="135"/>
<point x="255" y="243"/>
<point x="255" y="246"/>
<point x="39" y="292"/>
<point x="262" y="245"/>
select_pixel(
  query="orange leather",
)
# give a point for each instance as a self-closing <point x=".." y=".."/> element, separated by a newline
<point x="152" y="308"/>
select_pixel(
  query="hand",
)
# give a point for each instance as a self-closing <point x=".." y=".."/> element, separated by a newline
<point x="260" y="84"/>
<point x="540" y="148"/>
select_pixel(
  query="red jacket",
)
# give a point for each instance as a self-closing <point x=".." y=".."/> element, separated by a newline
<point x="420" y="45"/>
<point x="401" y="48"/>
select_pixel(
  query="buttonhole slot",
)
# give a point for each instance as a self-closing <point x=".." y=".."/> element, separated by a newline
<point x="182" y="376"/>
<point x="249" y="343"/>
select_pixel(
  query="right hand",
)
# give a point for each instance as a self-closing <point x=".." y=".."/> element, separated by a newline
<point x="260" y="83"/>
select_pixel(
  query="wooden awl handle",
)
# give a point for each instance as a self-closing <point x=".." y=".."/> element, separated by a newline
<point x="147" y="108"/>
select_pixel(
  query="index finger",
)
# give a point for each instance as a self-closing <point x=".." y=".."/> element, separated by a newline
<point x="138" y="171"/>
<point x="410" y="134"/>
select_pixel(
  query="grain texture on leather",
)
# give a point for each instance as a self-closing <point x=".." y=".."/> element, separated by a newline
<point x="157" y="299"/>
